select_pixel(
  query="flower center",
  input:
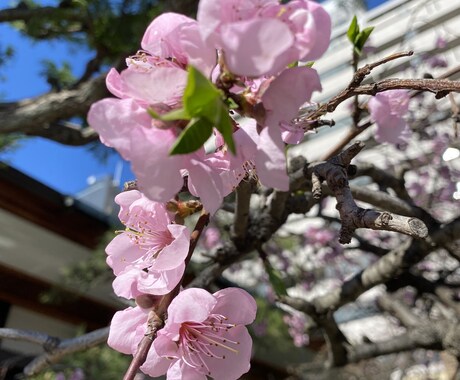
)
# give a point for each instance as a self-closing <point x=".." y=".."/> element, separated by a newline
<point x="147" y="237"/>
<point x="199" y="340"/>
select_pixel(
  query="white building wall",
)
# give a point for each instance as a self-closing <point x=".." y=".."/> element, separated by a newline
<point x="400" y="25"/>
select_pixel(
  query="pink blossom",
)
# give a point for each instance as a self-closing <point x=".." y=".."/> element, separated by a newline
<point x="173" y="35"/>
<point x="157" y="79"/>
<point x="319" y="235"/>
<point x="297" y="323"/>
<point x="387" y="110"/>
<point x="204" y="335"/>
<point x="127" y="329"/>
<point x="211" y="237"/>
<point x="282" y="100"/>
<point x="262" y="37"/>
<point x="148" y="257"/>
<point x="261" y="153"/>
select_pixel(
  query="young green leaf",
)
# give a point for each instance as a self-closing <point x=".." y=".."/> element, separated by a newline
<point x="353" y="30"/>
<point x="363" y="37"/>
<point x="200" y="95"/>
<point x="275" y="279"/>
<point x="193" y="136"/>
<point x="225" y="127"/>
<point x="177" y="114"/>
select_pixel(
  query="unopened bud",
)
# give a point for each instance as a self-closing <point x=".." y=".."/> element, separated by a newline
<point x="147" y="301"/>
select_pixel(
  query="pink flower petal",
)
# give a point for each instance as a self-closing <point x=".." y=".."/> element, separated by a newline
<point x="122" y="252"/>
<point x="114" y="83"/>
<point x="160" y="282"/>
<point x="252" y="47"/>
<point x="319" y="26"/>
<point x="271" y="160"/>
<point x="114" y="119"/>
<point x="154" y="364"/>
<point x="176" y="252"/>
<point x="387" y="110"/>
<point x="181" y="371"/>
<point x="234" y="365"/>
<point x="201" y="56"/>
<point x="160" y="85"/>
<point x="127" y="329"/>
<point x="236" y="304"/>
<point x="158" y="174"/>
<point x="163" y="36"/>
<point x="126" y="283"/>
<point x="124" y="200"/>
<point x="191" y="305"/>
<point x="206" y="184"/>
<point x="289" y="90"/>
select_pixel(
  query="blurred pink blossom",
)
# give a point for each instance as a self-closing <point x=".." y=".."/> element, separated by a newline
<point x="262" y="37"/>
<point x="387" y="110"/>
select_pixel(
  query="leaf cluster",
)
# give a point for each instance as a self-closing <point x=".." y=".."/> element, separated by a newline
<point x="358" y="37"/>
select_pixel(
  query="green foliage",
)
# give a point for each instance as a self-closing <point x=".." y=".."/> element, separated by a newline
<point x="59" y="78"/>
<point x="99" y="362"/>
<point x="204" y="107"/>
<point x="358" y="37"/>
<point x="193" y="137"/>
<point x="6" y="54"/>
<point x="275" y="278"/>
<point x="9" y="142"/>
<point x="116" y="30"/>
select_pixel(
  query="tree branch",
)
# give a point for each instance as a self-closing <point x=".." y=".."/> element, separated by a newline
<point x="65" y="347"/>
<point x="334" y="172"/>
<point x="243" y="197"/>
<point x="41" y="116"/>
<point x="26" y="14"/>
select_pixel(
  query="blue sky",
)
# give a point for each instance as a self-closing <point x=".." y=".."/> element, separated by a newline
<point x="61" y="167"/>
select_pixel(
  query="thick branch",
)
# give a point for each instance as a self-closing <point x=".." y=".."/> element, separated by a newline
<point x="386" y="268"/>
<point x="36" y="337"/>
<point x="41" y="116"/>
<point x="395" y="307"/>
<point x="65" y="347"/>
<point x="334" y="172"/>
<point x="442" y="335"/>
<point x="26" y="14"/>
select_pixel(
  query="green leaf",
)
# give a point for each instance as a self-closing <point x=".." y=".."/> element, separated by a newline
<point x="275" y="279"/>
<point x="202" y="100"/>
<point x="225" y="126"/>
<point x="200" y="96"/>
<point x="177" y="114"/>
<point x="231" y="104"/>
<point x="353" y="30"/>
<point x="363" y="37"/>
<point x="193" y="136"/>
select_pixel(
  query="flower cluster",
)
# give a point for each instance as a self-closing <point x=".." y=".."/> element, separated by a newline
<point x="247" y="54"/>
<point x="148" y="259"/>
<point x="250" y="42"/>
